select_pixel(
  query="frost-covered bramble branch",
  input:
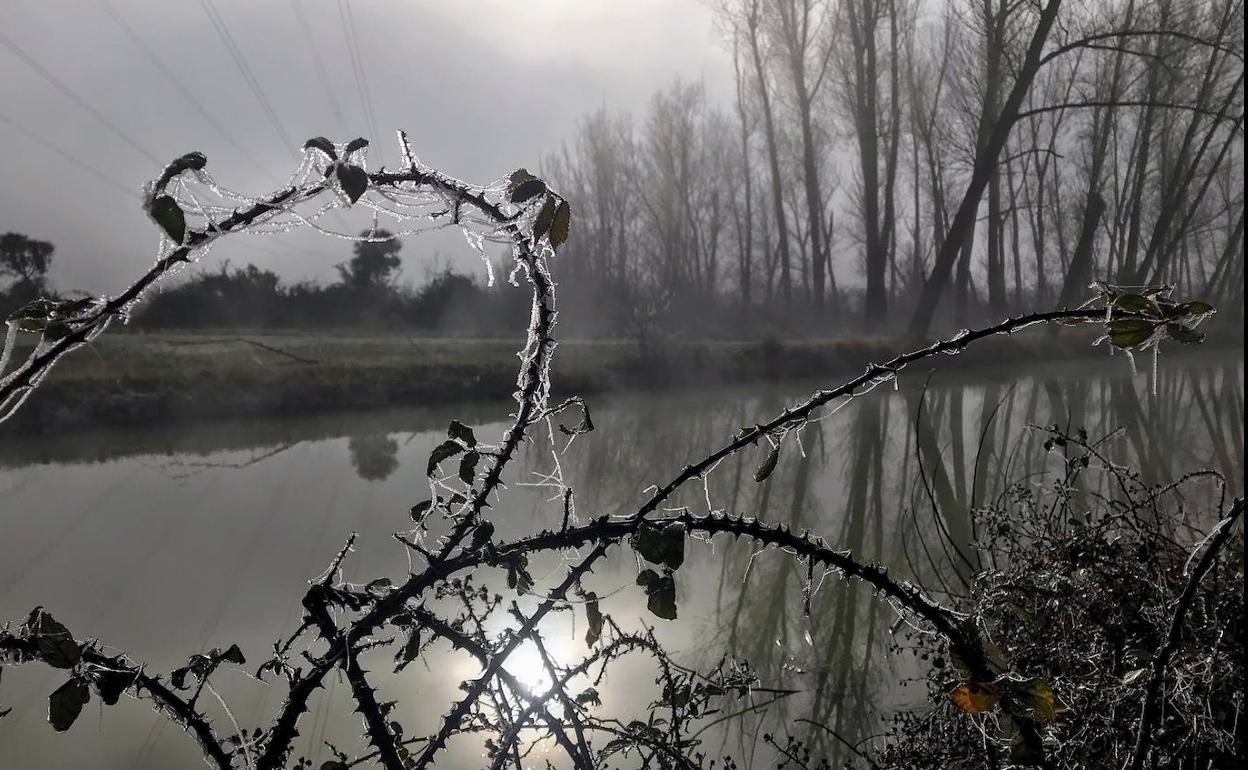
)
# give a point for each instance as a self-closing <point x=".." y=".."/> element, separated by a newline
<point x="193" y="211"/>
<point x="347" y="626"/>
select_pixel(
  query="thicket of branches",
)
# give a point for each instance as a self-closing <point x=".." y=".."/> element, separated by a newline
<point x="1015" y="704"/>
<point x="888" y="160"/>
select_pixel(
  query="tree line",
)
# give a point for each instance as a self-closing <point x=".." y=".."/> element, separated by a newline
<point x="882" y="163"/>
<point x="367" y="295"/>
<point x="895" y="162"/>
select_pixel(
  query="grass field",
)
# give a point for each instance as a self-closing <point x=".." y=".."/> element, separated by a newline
<point x="124" y="377"/>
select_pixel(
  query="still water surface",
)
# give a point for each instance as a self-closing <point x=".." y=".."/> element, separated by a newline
<point x="168" y="541"/>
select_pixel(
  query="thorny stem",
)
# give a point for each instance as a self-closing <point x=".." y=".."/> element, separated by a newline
<point x="161" y="696"/>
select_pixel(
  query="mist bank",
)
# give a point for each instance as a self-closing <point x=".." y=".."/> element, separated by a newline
<point x="174" y="378"/>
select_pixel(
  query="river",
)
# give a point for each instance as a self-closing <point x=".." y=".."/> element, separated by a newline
<point x="168" y="540"/>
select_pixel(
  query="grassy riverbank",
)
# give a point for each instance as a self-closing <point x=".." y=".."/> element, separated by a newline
<point x="175" y="377"/>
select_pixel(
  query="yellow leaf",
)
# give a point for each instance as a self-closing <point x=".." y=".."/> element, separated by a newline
<point x="1041" y="699"/>
<point x="975" y="698"/>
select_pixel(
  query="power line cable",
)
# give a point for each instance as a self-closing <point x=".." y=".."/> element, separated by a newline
<point x="68" y="157"/>
<point x="249" y="76"/>
<point x="186" y="92"/>
<point x="76" y="99"/>
<point x="275" y="251"/>
<point x="361" y="76"/>
<point x="321" y="70"/>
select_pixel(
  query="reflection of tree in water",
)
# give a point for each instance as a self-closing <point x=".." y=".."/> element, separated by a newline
<point x="893" y="479"/>
<point x="374" y="457"/>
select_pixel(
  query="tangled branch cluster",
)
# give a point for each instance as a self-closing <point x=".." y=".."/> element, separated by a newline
<point x="349" y="628"/>
<point x="1130" y="655"/>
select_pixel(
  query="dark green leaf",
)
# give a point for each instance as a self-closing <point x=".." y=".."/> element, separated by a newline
<point x="673" y="537"/>
<point x="527" y="189"/>
<point x="647" y="577"/>
<point x="593" y="616"/>
<point x="169" y="215"/>
<point x="517" y="178"/>
<point x="33" y="325"/>
<point x="66" y="703"/>
<point x="562" y="226"/>
<point x="545" y="218"/>
<point x="468" y="467"/>
<point x="74" y="307"/>
<point x="662" y="597"/>
<point x="518" y="577"/>
<point x="56" y="645"/>
<point x="322" y="144"/>
<point x="1194" y="309"/>
<point x="458" y="430"/>
<point x="111" y="684"/>
<point x="1129" y="332"/>
<point x="1134" y="303"/>
<point x="768" y="465"/>
<point x="445" y="450"/>
<point x="420" y="509"/>
<point x="56" y="330"/>
<point x="194" y="161"/>
<point x="356" y="144"/>
<point x="1040" y="699"/>
<point x="36" y="309"/>
<point x="648" y="542"/>
<point x="234" y="655"/>
<point x="354" y="181"/>
<point x="1185" y="334"/>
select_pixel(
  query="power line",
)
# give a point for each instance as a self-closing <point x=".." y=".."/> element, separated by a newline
<point x="253" y="83"/>
<point x="69" y="158"/>
<point x="81" y="102"/>
<point x="172" y="77"/>
<point x="361" y="76"/>
<point x="319" y="61"/>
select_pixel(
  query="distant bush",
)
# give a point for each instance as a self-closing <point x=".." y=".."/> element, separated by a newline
<point x="250" y="297"/>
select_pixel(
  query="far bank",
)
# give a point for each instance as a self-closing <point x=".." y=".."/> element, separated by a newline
<point x="133" y="378"/>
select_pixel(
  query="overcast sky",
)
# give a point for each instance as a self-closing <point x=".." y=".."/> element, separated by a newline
<point x="96" y="95"/>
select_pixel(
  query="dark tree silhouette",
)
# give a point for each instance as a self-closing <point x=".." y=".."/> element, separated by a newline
<point x="374" y="457"/>
<point x="26" y="261"/>
<point x="376" y="261"/>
